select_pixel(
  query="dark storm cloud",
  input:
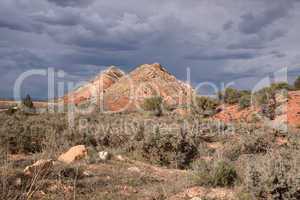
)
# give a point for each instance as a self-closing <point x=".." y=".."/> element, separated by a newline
<point x="71" y="3"/>
<point x="278" y="54"/>
<point x="14" y="58"/>
<point x="221" y="55"/>
<point x="250" y="43"/>
<point x="253" y="23"/>
<point x="228" y="25"/>
<point x="64" y="17"/>
<point x="17" y="23"/>
<point x="217" y="40"/>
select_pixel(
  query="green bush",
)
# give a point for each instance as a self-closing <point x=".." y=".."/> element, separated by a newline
<point x="206" y="105"/>
<point x="232" y="96"/>
<point x="224" y="174"/>
<point x="264" y="95"/>
<point x="245" y="101"/>
<point x="153" y="104"/>
<point x="266" y="98"/>
<point x="297" y="83"/>
<point x="168" y="150"/>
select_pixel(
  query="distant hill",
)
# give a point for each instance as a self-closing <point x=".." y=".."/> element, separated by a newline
<point x="117" y="91"/>
<point x="145" y="81"/>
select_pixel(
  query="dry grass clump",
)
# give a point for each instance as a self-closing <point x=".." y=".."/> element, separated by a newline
<point x="214" y="173"/>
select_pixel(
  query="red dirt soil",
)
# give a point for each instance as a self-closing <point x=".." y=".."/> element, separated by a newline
<point x="232" y="112"/>
<point x="294" y="108"/>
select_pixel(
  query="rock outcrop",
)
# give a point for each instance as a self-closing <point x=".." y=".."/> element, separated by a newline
<point x="73" y="154"/>
<point x="293" y="109"/>
<point x="287" y="112"/>
<point x="145" y="81"/>
<point x="94" y="89"/>
<point x="40" y="167"/>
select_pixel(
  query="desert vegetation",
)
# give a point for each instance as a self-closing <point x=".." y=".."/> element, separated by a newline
<point x="241" y="157"/>
<point x="162" y="151"/>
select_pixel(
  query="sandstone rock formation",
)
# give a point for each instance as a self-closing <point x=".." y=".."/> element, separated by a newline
<point x="94" y="89"/>
<point x="73" y="154"/>
<point x="40" y="167"/>
<point x="145" y="81"/>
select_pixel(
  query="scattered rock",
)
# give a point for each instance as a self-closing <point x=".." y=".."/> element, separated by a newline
<point x="120" y="158"/>
<point x="17" y="182"/>
<point x="104" y="155"/>
<point x="73" y="154"/>
<point x="39" y="167"/>
<point x="134" y="169"/>
<point x="197" y="193"/>
<point x="196" y="198"/>
<point x="87" y="174"/>
<point x="181" y="111"/>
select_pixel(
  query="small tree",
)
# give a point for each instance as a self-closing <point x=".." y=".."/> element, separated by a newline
<point x="27" y="105"/>
<point x="27" y="102"/>
<point x="297" y="83"/>
<point x="206" y="104"/>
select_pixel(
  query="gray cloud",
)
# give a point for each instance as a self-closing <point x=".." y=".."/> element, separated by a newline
<point x="221" y="55"/>
<point x="228" y="25"/>
<point x="218" y="41"/>
<point x="71" y="3"/>
<point x="253" y="23"/>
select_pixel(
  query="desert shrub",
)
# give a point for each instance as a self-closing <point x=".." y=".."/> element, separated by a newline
<point x="245" y="101"/>
<point x="297" y="83"/>
<point x="201" y="173"/>
<point x="186" y="150"/>
<point x="218" y="173"/>
<point x="206" y="105"/>
<point x="12" y="109"/>
<point x="244" y="195"/>
<point x="153" y="104"/>
<point x="12" y="182"/>
<point x="264" y="95"/>
<point x="256" y="142"/>
<point x="168" y="150"/>
<point x="21" y="133"/>
<point x="280" y="86"/>
<point x="224" y="174"/>
<point x="231" y="96"/>
<point x="275" y="175"/>
<point x="159" y="149"/>
<point x="232" y="151"/>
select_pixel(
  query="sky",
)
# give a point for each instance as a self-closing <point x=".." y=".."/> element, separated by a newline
<point x="219" y="41"/>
